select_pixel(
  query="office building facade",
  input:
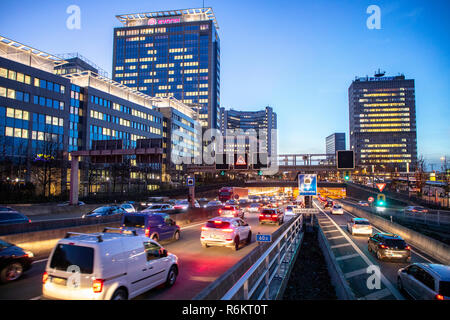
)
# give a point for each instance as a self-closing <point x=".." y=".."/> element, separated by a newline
<point x="382" y="114"/>
<point x="172" y="54"/>
<point x="334" y="142"/>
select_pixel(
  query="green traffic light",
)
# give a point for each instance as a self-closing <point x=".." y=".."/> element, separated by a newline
<point x="380" y="203"/>
<point x="347" y="178"/>
<point x="222" y="173"/>
<point x="259" y="173"/>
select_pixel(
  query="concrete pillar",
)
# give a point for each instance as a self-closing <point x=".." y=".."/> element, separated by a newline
<point x="192" y="196"/>
<point x="74" y="187"/>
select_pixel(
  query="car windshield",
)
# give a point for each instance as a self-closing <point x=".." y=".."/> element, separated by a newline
<point x="266" y="211"/>
<point x="5" y="209"/>
<point x="337" y="207"/>
<point x="4" y="244"/>
<point x="101" y="210"/>
<point x="69" y="255"/>
<point x="126" y="206"/>
<point x="217" y="224"/>
<point x="11" y="216"/>
<point x="363" y="222"/>
<point x="255" y="205"/>
<point x="182" y="202"/>
<point x="155" y="206"/>
<point x="131" y="221"/>
<point x="444" y="288"/>
<point x="399" y="243"/>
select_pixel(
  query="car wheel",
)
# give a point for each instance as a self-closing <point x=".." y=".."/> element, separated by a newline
<point x="11" y="272"/>
<point x="120" y="294"/>
<point x="236" y="244"/>
<point x="155" y="237"/>
<point x="172" y="276"/>
<point x="399" y="284"/>
<point x="249" y="238"/>
<point x="204" y="245"/>
<point x="379" y="257"/>
<point x="369" y="248"/>
<point x="176" y="235"/>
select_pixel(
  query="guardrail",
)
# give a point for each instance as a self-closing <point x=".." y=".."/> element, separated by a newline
<point x="271" y="270"/>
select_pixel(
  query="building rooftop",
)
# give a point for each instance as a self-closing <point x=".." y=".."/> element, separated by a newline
<point x="197" y="14"/>
<point x="29" y="56"/>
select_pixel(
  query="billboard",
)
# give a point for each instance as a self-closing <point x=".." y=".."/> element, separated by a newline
<point x="307" y="184"/>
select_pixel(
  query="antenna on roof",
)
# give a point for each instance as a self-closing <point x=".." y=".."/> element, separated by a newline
<point x="379" y="73"/>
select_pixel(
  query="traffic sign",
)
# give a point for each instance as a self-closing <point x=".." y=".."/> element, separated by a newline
<point x="190" y="182"/>
<point x="307" y="184"/>
<point x="264" y="237"/>
<point x="371" y="199"/>
<point x="380" y="186"/>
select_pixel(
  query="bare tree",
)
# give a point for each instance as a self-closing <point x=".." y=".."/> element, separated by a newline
<point x="421" y="176"/>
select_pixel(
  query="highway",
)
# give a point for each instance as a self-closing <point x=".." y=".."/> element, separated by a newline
<point x="388" y="269"/>
<point x="198" y="266"/>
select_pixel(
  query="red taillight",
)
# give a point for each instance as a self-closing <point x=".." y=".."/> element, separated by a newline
<point x="44" y="277"/>
<point x="407" y="248"/>
<point x="220" y="211"/>
<point x="147" y="232"/>
<point x="97" y="285"/>
<point x="439" y="297"/>
<point x="227" y="230"/>
<point x="29" y="220"/>
<point x="274" y="216"/>
<point x="382" y="246"/>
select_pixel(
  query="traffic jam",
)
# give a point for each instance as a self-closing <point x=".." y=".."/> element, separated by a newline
<point x="124" y="262"/>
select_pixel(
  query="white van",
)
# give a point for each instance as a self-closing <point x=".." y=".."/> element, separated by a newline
<point x="114" y="264"/>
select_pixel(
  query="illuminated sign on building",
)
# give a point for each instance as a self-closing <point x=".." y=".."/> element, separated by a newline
<point x="153" y="21"/>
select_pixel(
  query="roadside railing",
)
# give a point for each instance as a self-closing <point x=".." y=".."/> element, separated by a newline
<point x="266" y="276"/>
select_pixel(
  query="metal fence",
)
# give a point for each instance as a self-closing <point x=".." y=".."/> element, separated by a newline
<point x="265" y="277"/>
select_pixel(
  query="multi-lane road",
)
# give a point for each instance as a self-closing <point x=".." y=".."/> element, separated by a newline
<point x="198" y="266"/>
<point x="359" y="251"/>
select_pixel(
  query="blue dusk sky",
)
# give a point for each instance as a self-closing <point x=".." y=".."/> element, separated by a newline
<point x="299" y="57"/>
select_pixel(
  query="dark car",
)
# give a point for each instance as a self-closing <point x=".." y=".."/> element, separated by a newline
<point x="105" y="211"/>
<point x="157" y="226"/>
<point x="274" y="215"/>
<point x="14" y="261"/>
<point x="389" y="246"/>
<point x="13" y="217"/>
<point x="6" y="209"/>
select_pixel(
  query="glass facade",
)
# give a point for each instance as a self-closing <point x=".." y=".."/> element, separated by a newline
<point x="383" y="122"/>
<point x="335" y="142"/>
<point x="177" y="58"/>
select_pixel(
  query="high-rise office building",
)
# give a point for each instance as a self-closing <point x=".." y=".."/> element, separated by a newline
<point x="172" y="53"/>
<point x="334" y="142"/>
<point x="264" y="122"/>
<point x="383" y="122"/>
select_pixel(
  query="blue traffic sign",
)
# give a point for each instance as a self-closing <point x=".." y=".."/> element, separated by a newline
<point x="307" y="184"/>
<point x="190" y="182"/>
<point x="264" y="237"/>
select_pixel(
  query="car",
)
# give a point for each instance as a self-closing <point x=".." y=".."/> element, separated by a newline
<point x="415" y="210"/>
<point x="389" y="246"/>
<point x="128" y="207"/>
<point x="232" y="202"/>
<point x="13" y="217"/>
<point x="14" y="261"/>
<point x="254" y="207"/>
<point x="337" y="209"/>
<point x="154" y="200"/>
<point x="104" y="211"/>
<point x="213" y="204"/>
<point x="425" y="281"/>
<point x="112" y="265"/>
<point x="243" y="202"/>
<point x="289" y="210"/>
<point x="158" y="226"/>
<point x="231" y="211"/>
<point x="7" y="209"/>
<point x="184" y="204"/>
<point x="67" y="203"/>
<point x="271" y="215"/>
<point x="328" y="204"/>
<point x="359" y="226"/>
<point x="363" y="203"/>
<point x="225" y="231"/>
<point x="159" y="208"/>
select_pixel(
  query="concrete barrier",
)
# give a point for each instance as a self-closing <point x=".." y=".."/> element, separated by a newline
<point x="341" y="286"/>
<point x="53" y="209"/>
<point x="41" y="242"/>
<point x="434" y="248"/>
<point x="217" y="289"/>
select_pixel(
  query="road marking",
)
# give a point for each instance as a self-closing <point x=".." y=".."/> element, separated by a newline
<point x="349" y="256"/>
<point x="340" y="245"/>
<point x="365" y="258"/>
<point x="330" y="231"/>
<point x="338" y="237"/>
<point x="36" y="298"/>
<point x="39" y="261"/>
<point x="355" y="273"/>
<point x="194" y="225"/>
<point x="423" y="257"/>
<point x="379" y="294"/>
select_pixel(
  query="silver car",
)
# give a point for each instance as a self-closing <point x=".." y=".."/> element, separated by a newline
<point x="423" y="281"/>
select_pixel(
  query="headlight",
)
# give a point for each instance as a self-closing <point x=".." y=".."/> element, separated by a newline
<point x="83" y="216"/>
<point x="29" y="254"/>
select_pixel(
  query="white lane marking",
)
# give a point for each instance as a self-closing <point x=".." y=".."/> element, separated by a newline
<point x="338" y="237"/>
<point x="193" y="225"/>
<point x="377" y="295"/>
<point x="349" y="256"/>
<point x="340" y="245"/>
<point x="330" y="231"/>
<point x="423" y="257"/>
<point x="365" y="258"/>
<point x="39" y="261"/>
<point x="36" y="298"/>
<point x="355" y="273"/>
